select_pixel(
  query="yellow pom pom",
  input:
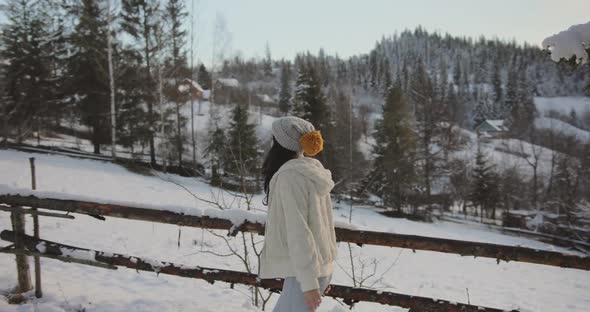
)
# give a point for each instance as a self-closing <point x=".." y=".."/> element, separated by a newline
<point x="312" y="142"/>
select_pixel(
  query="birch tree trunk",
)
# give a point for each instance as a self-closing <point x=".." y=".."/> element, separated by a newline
<point x="111" y="81"/>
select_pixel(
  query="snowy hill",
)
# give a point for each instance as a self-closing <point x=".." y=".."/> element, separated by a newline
<point x="563" y="104"/>
<point x="438" y="275"/>
<point x="561" y="127"/>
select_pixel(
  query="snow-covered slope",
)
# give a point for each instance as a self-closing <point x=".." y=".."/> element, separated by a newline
<point x="507" y="154"/>
<point x="563" y="104"/>
<point x="527" y="287"/>
<point x="561" y="127"/>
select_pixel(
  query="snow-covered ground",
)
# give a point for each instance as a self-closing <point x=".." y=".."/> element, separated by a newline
<point x="561" y="127"/>
<point x="507" y="154"/>
<point x="69" y="287"/>
<point x="563" y="104"/>
<point x="204" y="115"/>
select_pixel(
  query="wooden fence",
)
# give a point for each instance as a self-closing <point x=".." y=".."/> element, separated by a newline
<point x="360" y="237"/>
<point x="29" y="246"/>
<point x="112" y="261"/>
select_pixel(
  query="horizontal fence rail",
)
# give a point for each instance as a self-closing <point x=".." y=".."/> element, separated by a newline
<point x="414" y="242"/>
<point x="109" y="260"/>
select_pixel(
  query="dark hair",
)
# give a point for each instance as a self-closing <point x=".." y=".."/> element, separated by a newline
<point x="275" y="158"/>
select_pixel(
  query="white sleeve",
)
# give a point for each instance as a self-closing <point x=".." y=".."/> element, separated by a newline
<point x="294" y="197"/>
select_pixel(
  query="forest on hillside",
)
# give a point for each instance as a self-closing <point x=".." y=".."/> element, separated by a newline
<point x="395" y="120"/>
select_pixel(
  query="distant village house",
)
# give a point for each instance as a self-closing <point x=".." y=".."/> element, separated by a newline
<point x="196" y="91"/>
<point x="491" y="128"/>
<point x="224" y="89"/>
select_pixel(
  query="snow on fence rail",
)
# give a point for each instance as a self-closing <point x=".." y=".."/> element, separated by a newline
<point x="102" y="259"/>
<point x="238" y="220"/>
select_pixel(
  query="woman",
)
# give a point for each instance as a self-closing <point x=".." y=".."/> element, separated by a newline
<point x="300" y="242"/>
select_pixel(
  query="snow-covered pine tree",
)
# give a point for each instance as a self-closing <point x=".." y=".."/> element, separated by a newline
<point x="322" y="68"/>
<point x="204" y="78"/>
<point x="139" y="20"/>
<point x="88" y="71"/>
<point x="484" y="108"/>
<point x="341" y="141"/>
<point x="567" y="186"/>
<point x="393" y="174"/>
<point x="373" y="70"/>
<point x="497" y="83"/>
<point x="56" y="45"/>
<point x="484" y="186"/>
<point x="285" y="88"/>
<point x="456" y="106"/>
<point x="309" y="101"/>
<point x="267" y="62"/>
<point x="457" y="72"/>
<point x="133" y="122"/>
<point x="177" y="69"/>
<point x="511" y="97"/>
<point x="523" y="112"/>
<point x="216" y="151"/>
<point x="428" y="114"/>
<point x="241" y="156"/>
<point x="27" y="68"/>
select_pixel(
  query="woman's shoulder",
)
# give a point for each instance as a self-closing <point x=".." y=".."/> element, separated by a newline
<point x="302" y="163"/>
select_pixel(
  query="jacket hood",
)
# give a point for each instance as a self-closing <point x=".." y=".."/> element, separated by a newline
<point x="313" y="170"/>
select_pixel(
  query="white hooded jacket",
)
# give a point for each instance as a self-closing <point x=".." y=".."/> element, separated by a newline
<point x="299" y="237"/>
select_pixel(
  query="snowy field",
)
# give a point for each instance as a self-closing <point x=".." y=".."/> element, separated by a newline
<point x="564" y="104"/>
<point x="204" y="120"/>
<point x="72" y="287"/>
<point x="558" y="126"/>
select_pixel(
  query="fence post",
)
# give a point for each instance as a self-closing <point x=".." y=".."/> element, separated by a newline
<point x="22" y="263"/>
<point x="38" y="290"/>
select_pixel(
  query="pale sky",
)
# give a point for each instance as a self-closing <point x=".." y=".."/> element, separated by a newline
<point x="349" y="27"/>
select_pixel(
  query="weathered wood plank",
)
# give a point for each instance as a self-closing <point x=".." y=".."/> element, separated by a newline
<point x="414" y="242"/>
<point x="349" y="294"/>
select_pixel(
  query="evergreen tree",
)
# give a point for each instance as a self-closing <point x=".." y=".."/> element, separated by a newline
<point x="405" y="78"/>
<point x="497" y="84"/>
<point x="443" y="80"/>
<point x="522" y="115"/>
<point x="567" y="185"/>
<point x="309" y="101"/>
<point x="140" y="20"/>
<point x="177" y="68"/>
<point x="133" y="123"/>
<point x="511" y="98"/>
<point x="393" y="174"/>
<point x="484" y="190"/>
<point x="484" y="108"/>
<point x="456" y="106"/>
<point x="387" y="80"/>
<point x="285" y="90"/>
<point x="89" y="81"/>
<point x="56" y="48"/>
<point x="573" y="118"/>
<point x="428" y="113"/>
<point x="457" y="72"/>
<point x="373" y="69"/>
<point x="342" y="154"/>
<point x="204" y="77"/>
<point x="27" y="54"/>
<point x="216" y="151"/>
<point x="241" y="155"/>
<point x="322" y="68"/>
<point x="480" y="72"/>
<point x="267" y="63"/>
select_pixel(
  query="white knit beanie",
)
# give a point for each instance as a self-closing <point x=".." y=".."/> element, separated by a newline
<point x="288" y="130"/>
